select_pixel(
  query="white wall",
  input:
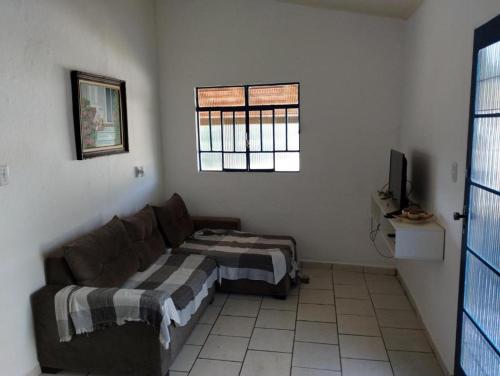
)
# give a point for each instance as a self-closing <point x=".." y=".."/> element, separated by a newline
<point x="349" y="67"/>
<point x="52" y="197"/>
<point x="439" y="41"/>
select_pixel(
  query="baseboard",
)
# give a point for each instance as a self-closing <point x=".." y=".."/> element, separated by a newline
<point x="426" y="331"/>
<point x="340" y="266"/>
<point x="35" y="371"/>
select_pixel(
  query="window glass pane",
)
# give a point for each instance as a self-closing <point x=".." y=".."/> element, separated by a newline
<point x="267" y="131"/>
<point x="484" y="224"/>
<point x="287" y="162"/>
<point x="228" y="129"/>
<point x="235" y="161"/>
<point x="485" y="167"/>
<point x="211" y="161"/>
<point x="273" y="95"/>
<point x="482" y="297"/>
<point x="230" y="96"/>
<point x="477" y="357"/>
<point x="261" y="161"/>
<point x="240" y="132"/>
<point x="255" y="131"/>
<point x="204" y="131"/>
<point x="293" y="129"/>
<point x="488" y="80"/>
<point x="280" y="129"/>
<point x="216" y="131"/>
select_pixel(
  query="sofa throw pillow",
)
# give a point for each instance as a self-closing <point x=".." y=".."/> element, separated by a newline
<point x="174" y="221"/>
<point x="145" y="235"/>
<point x="102" y="258"/>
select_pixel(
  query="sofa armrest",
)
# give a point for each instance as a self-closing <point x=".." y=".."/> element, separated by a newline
<point x="228" y="223"/>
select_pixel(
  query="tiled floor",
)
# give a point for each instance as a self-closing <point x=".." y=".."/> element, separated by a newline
<point x="344" y="322"/>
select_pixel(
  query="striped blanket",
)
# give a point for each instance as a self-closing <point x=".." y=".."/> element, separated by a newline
<point x="243" y="255"/>
<point x="171" y="289"/>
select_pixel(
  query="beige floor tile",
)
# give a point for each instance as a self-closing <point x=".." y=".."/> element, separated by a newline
<point x="348" y="278"/>
<point x="360" y="347"/>
<point x="288" y="304"/>
<point x="246" y="297"/>
<point x="234" y="326"/>
<point x="297" y="371"/>
<point x="240" y="307"/>
<point x="219" y="299"/>
<point x="261" y="363"/>
<point x="225" y="348"/>
<point x="351" y="292"/>
<point x="319" y="283"/>
<point x="316" y="296"/>
<point x="319" y="332"/>
<point x="316" y="272"/>
<point x="347" y="268"/>
<point x="390" y="318"/>
<point x="380" y="270"/>
<point x="186" y="358"/>
<point x="357" y="367"/>
<point x="384" y="301"/>
<point x="199" y="334"/>
<point x="405" y="340"/>
<point x="316" y="312"/>
<point x="414" y="364"/>
<point x="354" y="307"/>
<point x="358" y="325"/>
<point x="272" y="340"/>
<point x="385" y="287"/>
<point x="210" y="367"/>
<point x="380" y="277"/>
<point x="210" y="315"/>
<point x="315" y="355"/>
<point x="274" y="319"/>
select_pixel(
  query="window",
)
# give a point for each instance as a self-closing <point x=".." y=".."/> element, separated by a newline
<point x="248" y="128"/>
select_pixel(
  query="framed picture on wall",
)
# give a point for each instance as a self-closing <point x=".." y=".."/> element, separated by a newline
<point x="100" y="115"/>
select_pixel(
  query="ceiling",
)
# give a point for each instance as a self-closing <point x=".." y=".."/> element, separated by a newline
<point x="386" y="8"/>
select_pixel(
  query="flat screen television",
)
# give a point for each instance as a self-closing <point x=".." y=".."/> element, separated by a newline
<point x="397" y="179"/>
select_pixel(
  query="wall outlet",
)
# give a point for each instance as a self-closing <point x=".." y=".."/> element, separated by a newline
<point x="4" y="175"/>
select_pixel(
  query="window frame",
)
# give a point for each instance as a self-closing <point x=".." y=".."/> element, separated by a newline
<point x="246" y="109"/>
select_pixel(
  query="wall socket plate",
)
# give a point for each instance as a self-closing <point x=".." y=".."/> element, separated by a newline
<point x="4" y="175"/>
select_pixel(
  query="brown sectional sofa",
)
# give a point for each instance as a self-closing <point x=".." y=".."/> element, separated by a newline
<point x="105" y="258"/>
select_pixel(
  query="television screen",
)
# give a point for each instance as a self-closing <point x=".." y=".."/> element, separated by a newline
<point x="397" y="177"/>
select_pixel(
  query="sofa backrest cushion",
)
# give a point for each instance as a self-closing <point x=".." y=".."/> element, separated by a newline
<point x="102" y="258"/>
<point x="175" y="223"/>
<point x="145" y="235"/>
<point x="57" y="271"/>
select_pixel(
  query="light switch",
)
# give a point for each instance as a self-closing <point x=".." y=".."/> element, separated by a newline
<point x="4" y="175"/>
<point x="139" y="171"/>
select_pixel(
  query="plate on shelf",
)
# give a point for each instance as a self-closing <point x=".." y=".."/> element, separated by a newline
<point x="427" y="219"/>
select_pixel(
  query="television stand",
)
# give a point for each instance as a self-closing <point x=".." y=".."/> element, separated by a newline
<point x="416" y="241"/>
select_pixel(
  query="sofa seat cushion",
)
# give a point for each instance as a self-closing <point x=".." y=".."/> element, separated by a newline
<point x="145" y="235"/>
<point x="175" y="223"/>
<point x="102" y="258"/>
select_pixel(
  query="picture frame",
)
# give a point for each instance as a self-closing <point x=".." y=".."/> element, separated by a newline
<point x="100" y="115"/>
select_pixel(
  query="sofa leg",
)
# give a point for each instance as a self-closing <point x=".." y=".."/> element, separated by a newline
<point x="280" y="297"/>
<point x="50" y="370"/>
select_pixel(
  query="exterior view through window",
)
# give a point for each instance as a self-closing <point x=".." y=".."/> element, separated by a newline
<point x="248" y="128"/>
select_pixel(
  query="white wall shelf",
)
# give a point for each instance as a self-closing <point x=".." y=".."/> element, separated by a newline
<point x="411" y="241"/>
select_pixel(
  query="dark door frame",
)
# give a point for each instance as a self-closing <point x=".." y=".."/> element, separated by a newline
<point x="484" y="36"/>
